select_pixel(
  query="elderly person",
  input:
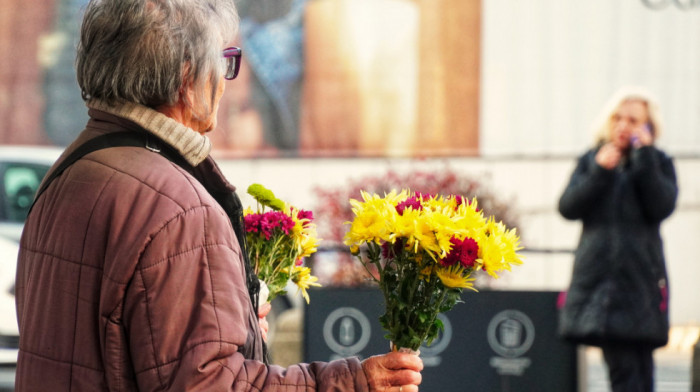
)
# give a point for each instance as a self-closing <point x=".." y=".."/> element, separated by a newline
<point x="130" y="274"/>
<point x="622" y="189"/>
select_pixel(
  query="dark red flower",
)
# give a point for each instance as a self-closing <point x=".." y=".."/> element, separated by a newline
<point x="412" y="202"/>
<point x="463" y="251"/>
<point x="389" y="250"/>
<point x="303" y="214"/>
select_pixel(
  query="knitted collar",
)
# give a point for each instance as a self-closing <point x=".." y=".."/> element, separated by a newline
<point x="193" y="146"/>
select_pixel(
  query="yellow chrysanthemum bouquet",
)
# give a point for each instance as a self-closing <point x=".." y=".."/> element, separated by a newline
<point x="278" y="240"/>
<point x="425" y="249"/>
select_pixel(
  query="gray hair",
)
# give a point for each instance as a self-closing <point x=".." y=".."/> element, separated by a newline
<point x="148" y="51"/>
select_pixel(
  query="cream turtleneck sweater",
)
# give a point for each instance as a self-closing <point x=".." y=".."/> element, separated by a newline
<point x="193" y="146"/>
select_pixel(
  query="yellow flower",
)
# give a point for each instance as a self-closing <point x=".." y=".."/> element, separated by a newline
<point x="455" y="277"/>
<point x="434" y="204"/>
<point x="301" y="276"/>
<point x="498" y="248"/>
<point x="445" y="227"/>
<point x="374" y="219"/>
<point x="469" y="217"/>
<point x="426" y="272"/>
<point x="405" y="224"/>
<point x="367" y="226"/>
<point x="308" y="244"/>
<point x="423" y="237"/>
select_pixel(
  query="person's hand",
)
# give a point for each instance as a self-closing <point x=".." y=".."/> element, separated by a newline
<point x="608" y="156"/>
<point x="641" y="136"/>
<point x="263" y="311"/>
<point x="393" y="372"/>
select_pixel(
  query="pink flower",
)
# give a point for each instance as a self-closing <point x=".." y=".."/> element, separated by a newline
<point x="271" y="221"/>
<point x="303" y="214"/>
<point x="464" y="252"/>
<point x="252" y="223"/>
<point x="286" y="222"/>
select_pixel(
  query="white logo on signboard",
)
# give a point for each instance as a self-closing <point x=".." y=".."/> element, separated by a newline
<point x="510" y="334"/>
<point x="346" y="331"/>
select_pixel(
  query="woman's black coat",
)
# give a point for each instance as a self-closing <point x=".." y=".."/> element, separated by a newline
<point x="619" y="287"/>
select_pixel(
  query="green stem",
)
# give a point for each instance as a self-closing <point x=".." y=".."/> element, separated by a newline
<point x="412" y="315"/>
<point x="273" y="255"/>
<point x="437" y="306"/>
<point x="374" y="256"/>
<point x="367" y="269"/>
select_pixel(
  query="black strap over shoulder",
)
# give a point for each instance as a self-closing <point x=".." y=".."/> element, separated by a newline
<point x="117" y="139"/>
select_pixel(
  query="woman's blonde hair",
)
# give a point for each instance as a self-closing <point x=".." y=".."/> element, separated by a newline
<point x="602" y="127"/>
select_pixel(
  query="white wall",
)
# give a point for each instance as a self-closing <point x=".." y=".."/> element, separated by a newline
<point x="548" y="66"/>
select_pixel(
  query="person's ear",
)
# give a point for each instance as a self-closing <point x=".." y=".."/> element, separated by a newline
<point x="186" y="87"/>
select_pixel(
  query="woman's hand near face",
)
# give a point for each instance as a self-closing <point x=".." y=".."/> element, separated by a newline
<point x="393" y="372"/>
<point x="641" y="136"/>
<point x="608" y="156"/>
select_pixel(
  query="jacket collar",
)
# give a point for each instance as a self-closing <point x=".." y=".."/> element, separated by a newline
<point x="193" y="146"/>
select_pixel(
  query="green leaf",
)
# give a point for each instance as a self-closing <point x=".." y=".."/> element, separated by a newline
<point x="439" y="325"/>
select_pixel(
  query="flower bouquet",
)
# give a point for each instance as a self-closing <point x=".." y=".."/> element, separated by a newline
<point x="279" y="237"/>
<point x="422" y="251"/>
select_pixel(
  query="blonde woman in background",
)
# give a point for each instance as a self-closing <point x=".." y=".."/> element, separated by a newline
<point x="621" y="190"/>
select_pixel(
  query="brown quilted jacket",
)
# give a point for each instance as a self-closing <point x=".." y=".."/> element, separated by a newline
<point x="130" y="278"/>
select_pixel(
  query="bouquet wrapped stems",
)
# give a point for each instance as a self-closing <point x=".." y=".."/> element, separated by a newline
<point x="425" y="249"/>
<point x="279" y="238"/>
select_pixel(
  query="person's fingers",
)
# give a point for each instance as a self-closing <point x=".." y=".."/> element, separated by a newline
<point x="393" y="370"/>
<point x="644" y="135"/>
<point x="608" y="156"/>
<point x="397" y="360"/>
<point x="264" y="325"/>
<point x="264" y="310"/>
<point x="405" y="377"/>
<point x="264" y="328"/>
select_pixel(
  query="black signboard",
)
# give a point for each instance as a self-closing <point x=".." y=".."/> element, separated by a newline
<point x="494" y="341"/>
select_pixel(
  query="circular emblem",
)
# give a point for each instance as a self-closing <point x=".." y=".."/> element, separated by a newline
<point x="441" y="341"/>
<point x="346" y="331"/>
<point x="511" y="333"/>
